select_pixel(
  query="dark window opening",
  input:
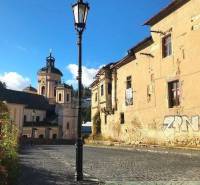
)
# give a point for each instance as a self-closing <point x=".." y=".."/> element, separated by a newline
<point x="122" y="121"/>
<point x="37" y="118"/>
<point x="67" y="97"/>
<point x="102" y="90"/>
<point x="67" y="126"/>
<point x="25" y="118"/>
<point x="109" y="88"/>
<point x="55" y="92"/>
<point x="41" y="136"/>
<point x="105" y="119"/>
<point x="54" y="136"/>
<point x="43" y="90"/>
<point x="60" y="97"/>
<point x="167" y="46"/>
<point x="128" y="82"/>
<point x="174" y="93"/>
<point x="96" y="97"/>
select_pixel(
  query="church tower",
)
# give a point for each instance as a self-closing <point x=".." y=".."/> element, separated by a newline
<point x="48" y="79"/>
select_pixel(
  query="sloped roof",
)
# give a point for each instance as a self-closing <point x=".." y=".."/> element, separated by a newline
<point x="176" y="4"/>
<point x="64" y="85"/>
<point x="142" y="44"/>
<point x="30" y="88"/>
<point x="108" y="66"/>
<point x="32" y="101"/>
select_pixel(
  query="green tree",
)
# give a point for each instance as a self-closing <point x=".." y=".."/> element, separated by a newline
<point x="86" y="92"/>
<point x="2" y="85"/>
<point x="8" y="148"/>
<point x="86" y="114"/>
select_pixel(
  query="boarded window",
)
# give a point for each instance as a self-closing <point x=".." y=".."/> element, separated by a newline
<point x="167" y="46"/>
<point x="174" y="93"/>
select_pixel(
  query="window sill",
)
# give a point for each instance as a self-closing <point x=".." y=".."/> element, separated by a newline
<point x="175" y="107"/>
<point x="167" y="57"/>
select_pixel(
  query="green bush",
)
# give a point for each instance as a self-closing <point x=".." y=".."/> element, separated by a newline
<point x="8" y="149"/>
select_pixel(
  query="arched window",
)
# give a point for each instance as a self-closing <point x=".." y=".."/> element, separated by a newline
<point x="43" y="90"/>
<point x="60" y="97"/>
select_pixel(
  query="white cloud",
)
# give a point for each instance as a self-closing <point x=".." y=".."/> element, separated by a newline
<point x="14" y="80"/>
<point x="87" y="76"/>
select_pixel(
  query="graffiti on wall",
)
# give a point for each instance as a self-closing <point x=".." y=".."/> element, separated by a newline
<point x="181" y="123"/>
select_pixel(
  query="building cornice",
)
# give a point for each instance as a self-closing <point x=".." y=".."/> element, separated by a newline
<point x="176" y="4"/>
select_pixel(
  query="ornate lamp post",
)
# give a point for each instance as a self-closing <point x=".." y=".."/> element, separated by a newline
<point x="80" y="10"/>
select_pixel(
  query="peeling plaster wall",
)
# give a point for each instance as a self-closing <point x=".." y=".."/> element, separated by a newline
<point x="145" y="120"/>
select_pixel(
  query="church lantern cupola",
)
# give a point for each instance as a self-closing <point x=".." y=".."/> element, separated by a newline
<point x="50" y="61"/>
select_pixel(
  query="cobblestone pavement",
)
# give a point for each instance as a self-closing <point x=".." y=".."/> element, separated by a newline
<point x="49" y="165"/>
<point x="54" y="165"/>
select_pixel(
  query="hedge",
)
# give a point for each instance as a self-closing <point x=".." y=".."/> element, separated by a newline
<point x="8" y="148"/>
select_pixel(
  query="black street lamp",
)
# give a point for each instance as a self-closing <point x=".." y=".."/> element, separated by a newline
<point x="80" y="10"/>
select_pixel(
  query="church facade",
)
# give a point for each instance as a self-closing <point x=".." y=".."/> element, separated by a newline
<point x="46" y="112"/>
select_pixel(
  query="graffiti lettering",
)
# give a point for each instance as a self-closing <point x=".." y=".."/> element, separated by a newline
<point x="181" y="123"/>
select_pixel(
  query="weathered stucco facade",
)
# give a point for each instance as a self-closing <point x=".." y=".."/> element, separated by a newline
<point x="154" y="94"/>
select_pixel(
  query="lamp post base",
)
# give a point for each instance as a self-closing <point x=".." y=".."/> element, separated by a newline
<point x="78" y="177"/>
<point x="79" y="160"/>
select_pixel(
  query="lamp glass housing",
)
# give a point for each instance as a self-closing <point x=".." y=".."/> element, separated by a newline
<point x="80" y="11"/>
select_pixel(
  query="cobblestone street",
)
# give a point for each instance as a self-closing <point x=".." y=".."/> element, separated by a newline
<point x="52" y="165"/>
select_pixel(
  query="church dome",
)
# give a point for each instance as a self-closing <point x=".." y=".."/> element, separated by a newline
<point x="50" y="66"/>
<point x="50" y="70"/>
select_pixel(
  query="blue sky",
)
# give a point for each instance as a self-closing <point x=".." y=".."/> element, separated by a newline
<point x="29" y="28"/>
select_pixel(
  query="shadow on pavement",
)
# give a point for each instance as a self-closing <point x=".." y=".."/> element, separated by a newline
<point x="32" y="176"/>
<point x="37" y="168"/>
